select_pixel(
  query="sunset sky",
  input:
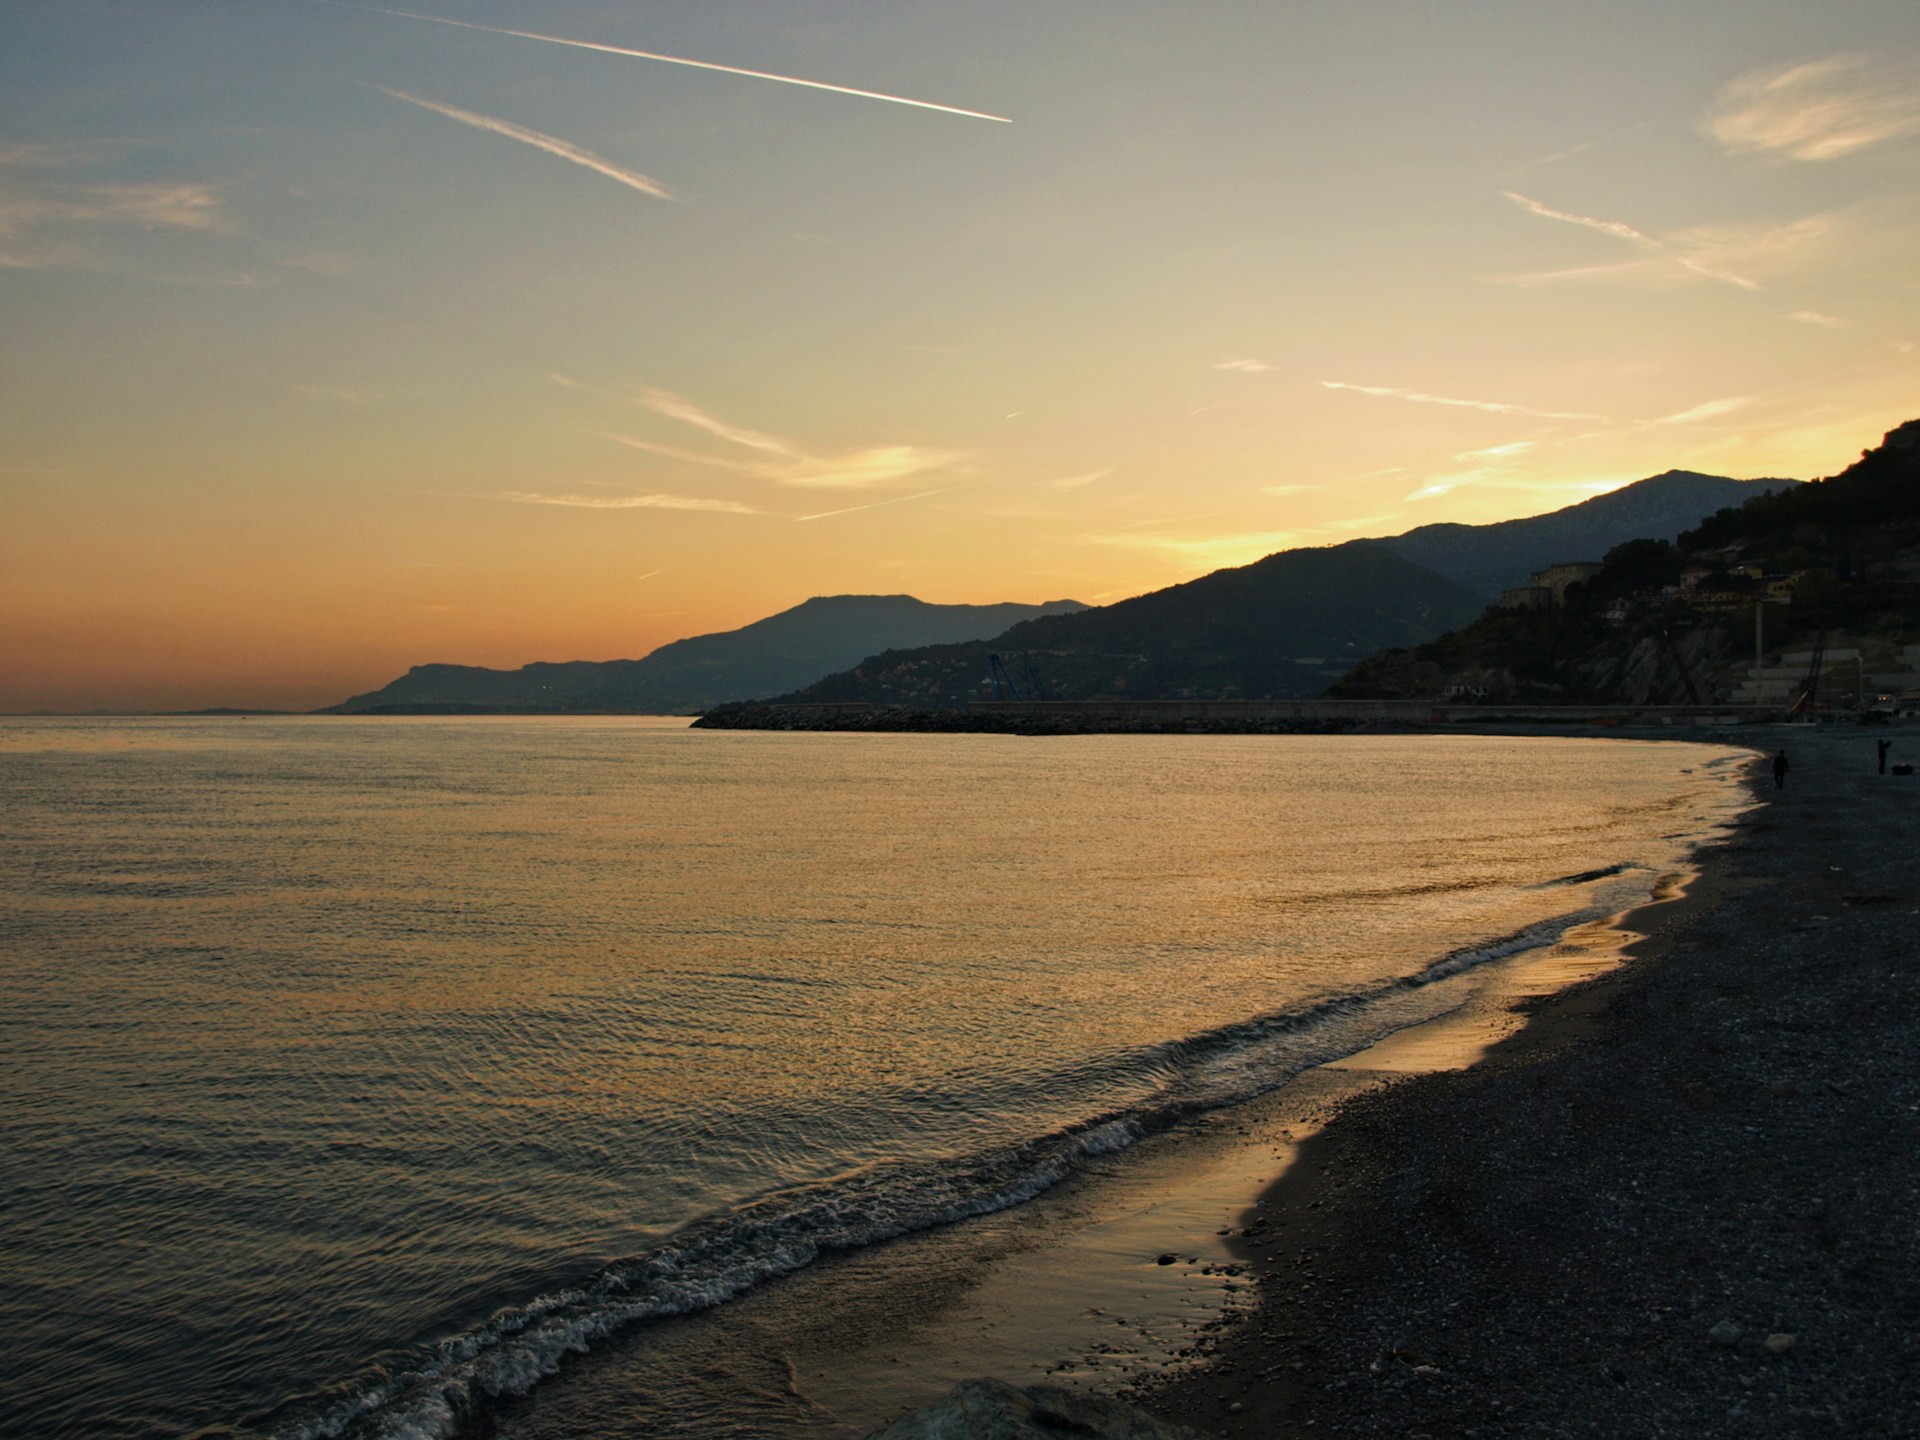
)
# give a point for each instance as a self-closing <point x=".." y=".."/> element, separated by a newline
<point x="335" y="339"/>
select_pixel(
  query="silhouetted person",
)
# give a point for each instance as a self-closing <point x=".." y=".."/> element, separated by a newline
<point x="1885" y="745"/>
<point x="1780" y="771"/>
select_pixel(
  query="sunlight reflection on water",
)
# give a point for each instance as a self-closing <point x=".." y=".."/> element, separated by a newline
<point x="331" y="1038"/>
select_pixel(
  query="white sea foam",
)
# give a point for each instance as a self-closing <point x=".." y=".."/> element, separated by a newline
<point x="383" y="1011"/>
<point x="514" y="1351"/>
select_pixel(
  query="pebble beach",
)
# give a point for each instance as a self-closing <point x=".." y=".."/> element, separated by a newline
<point x="1682" y="1200"/>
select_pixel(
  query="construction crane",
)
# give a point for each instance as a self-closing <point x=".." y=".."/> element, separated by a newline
<point x="998" y="675"/>
<point x="1810" y="687"/>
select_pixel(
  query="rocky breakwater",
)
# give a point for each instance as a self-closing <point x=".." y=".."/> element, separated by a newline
<point x="1148" y="718"/>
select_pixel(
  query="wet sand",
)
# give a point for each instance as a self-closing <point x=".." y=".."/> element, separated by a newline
<point x="1681" y="1199"/>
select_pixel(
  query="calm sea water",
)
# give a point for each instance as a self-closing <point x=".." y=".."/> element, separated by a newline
<point x="358" y="1073"/>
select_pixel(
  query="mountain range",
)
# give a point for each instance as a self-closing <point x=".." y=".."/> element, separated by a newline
<point x="812" y="639"/>
<point x="1286" y="626"/>
<point x="1832" y="562"/>
<point x="1491" y="558"/>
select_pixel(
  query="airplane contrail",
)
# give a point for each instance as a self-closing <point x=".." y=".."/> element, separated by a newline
<point x="680" y="60"/>
<point x="552" y="144"/>
<point x="897" y="500"/>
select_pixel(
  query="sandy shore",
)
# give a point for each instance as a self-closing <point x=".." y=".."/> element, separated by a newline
<point x="1683" y="1200"/>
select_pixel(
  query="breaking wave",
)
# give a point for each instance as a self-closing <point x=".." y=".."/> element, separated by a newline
<point x="446" y="1390"/>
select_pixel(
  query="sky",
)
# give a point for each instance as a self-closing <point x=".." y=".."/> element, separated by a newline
<point x="336" y="339"/>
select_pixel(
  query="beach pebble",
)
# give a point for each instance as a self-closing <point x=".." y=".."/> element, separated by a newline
<point x="1235" y="1408"/>
<point x="1779" y="1343"/>
<point x="1166" y="1259"/>
<point x="1725" y="1333"/>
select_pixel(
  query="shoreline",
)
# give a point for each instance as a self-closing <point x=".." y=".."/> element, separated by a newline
<point x="1544" y="1242"/>
<point x="1067" y="1289"/>
<point x="1023" y="1315"/>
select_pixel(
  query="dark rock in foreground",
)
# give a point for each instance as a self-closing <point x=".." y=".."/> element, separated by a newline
<point x="993" y="1410"/>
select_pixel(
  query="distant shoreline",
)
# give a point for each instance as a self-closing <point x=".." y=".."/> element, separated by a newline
<point x="1679" y="723"/>
<point x="1249" y="717"/>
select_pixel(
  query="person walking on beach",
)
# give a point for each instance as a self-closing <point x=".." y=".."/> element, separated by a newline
<point x="1780" y="771"/>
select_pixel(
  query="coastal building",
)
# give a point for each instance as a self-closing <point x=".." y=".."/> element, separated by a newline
<point x="1547" y="588"/>
<point x="1556" y="578"/>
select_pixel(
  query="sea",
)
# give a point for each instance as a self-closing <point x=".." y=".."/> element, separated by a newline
<point x="408" y="1076"/>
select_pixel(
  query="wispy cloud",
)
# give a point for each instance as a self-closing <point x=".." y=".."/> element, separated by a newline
<point x="1489" y="479"/>
<point x="858" y="469"/>
<point x="1614" y="228"/>
<point x="1075" y="482"/>
<point x="1707" y="410"/>
<point x="665" y="402"/>
<point x="1649" y="274"/>
<point x="1498" y="452"/>
<point x="1760" y="243"/>
<point x="1567" y="154"/>
<point x="45" y="217"/>
<point x="770" y="457"/>
<point x="1280" y="490"/>
<point x="1664" y="274"/>
<point x="150" y="207"/>
<point x="1490" y="467"/>
<point x="874" y="505"/>
<point x="1814" y="317"/>
<point x="786" y="462"/>
<point x="1728" y="254"/>
<point x="1820" y="110"/>
<point x="628" y="502"/>
<point x="1554" y="159"/>
<point x="1491" y="407"/>
<point x="1244" y="367"/>
<point x="694" y="64"/>
<point x="552" y="144"/>
<point x="672" y="452"/>
<point x="1438" y="485"/>
<point x="1725" y="277"/>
